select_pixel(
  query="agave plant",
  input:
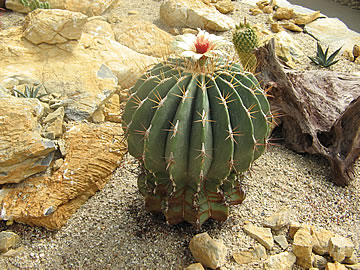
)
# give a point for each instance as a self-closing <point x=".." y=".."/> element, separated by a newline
<point x="34" y="4"/>
<point x="322" y="58"/>
<point x="196" y="122"/>
<point x="30" y="92"/>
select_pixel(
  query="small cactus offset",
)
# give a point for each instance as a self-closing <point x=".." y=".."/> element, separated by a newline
<point x="196" y="127"/>
<point x="34" y="4"/>
<point x="245" y="41"/>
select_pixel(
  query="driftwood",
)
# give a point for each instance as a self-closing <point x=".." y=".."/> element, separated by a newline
<point x="320" y="111"/>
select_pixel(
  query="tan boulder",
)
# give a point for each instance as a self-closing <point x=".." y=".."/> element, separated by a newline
<point x="8" y="240"/>
<point x="320" y="238"/>
<point x="207" y="251"/>
<point x="268" y="9"/>
<point x="98" y="27"/>
<point x="53" y="26"/>
<point x="262" y="4"/>
<point x="286" y="47"/>
<point x="335" y="266"/>
<point x="292" y="27"/>
<point x="276" y="28"/>
<point x="302" y="247"/>
<point x="143" y="37"/>
<point x="279" y="219"/>
<point x="195" y="266"/>
<point x="93" y="152"/>
<point x="354" y="266"/>
<point x="306" y="18"/>
<point x="255" y="11"/>
<point x="194" y="14"/>
<point x="252" y="255"/>
<point x="284" y="13"/>
<point x="87" y="7"/>
<point x="224" y="6"/>
<point x="340" y="248"/>
<point x="23" y="151"/>
<point x="281" y="261"/>
<point x="334" y="33"/>
<point x="79" y="88"/>
<point x="263" y="235"/>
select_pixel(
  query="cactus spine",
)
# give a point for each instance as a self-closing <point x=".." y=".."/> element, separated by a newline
<point x="245" y="41"/>
<point x="195" y="132"/>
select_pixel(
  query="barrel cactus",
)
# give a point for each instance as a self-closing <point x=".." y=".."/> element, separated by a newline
<point x="196" y="123"/>
<point x="245" y="41"/>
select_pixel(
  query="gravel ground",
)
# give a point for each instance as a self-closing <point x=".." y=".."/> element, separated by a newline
<point x="113" y="230"/>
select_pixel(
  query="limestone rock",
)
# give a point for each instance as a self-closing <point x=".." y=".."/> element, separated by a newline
<point x="8" y="240"/>
<point x="13" y="252"/>
<point x="319" y="262"/>
<point x="286" y="47"/>
<point x="244" y="257"/>
<point x="335" y="266"/>
<point x="276" y="28"/>
<point x="209" y="252"/>
<point x="224" y="6"/>
<point x="292" y="27"/>
<point x="51" y="117"/>
<point x="320" y="240"/>
<point x="23" y="151"/>
<point x="263" y="235"/>
<point x="255" y="11"/>
<point x="55" y="129"/>
<point x="334" y="33"/>
<point x="53" y="26"/>
<point x="354" y="266"/>
<point x="302" y="247"/>
<point x="143" y="37"/>
<point x="284" y="13"/>
<point x="93" y="152"/>
<point x="306" y="18"/>
<point x="340" y="247"/>
<point x="293" y="228"/>
<point x="281" y="261"/>
<point x="278" y="220"/>
<point x="79" y="88"/>
<point x="195" y="266"/>
<point x="194" y="14"/>
<point x="98" y="27"/>
<point x="87" y="7"/>
<point x="352" y="259"/>
<point x="260" y="252"/>
<point x="281" y="240"/>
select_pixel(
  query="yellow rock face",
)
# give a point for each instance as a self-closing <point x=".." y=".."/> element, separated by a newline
<point x="93" y="152"/>
<point x="23" y="151"/>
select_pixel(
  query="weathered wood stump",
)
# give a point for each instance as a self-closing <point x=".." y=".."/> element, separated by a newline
<point x="319" y="111"/>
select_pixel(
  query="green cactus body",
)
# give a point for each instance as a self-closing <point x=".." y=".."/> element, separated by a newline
<point x="195" y="134"/>
<point x="245" y="42"/>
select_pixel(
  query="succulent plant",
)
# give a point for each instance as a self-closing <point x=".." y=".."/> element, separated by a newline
<point x="30" y="92"/>
<point x="245" y="41"/>
<point x="34" y="4"/>
<point x="196" y="127"/>
<point x="322" y="58"/>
